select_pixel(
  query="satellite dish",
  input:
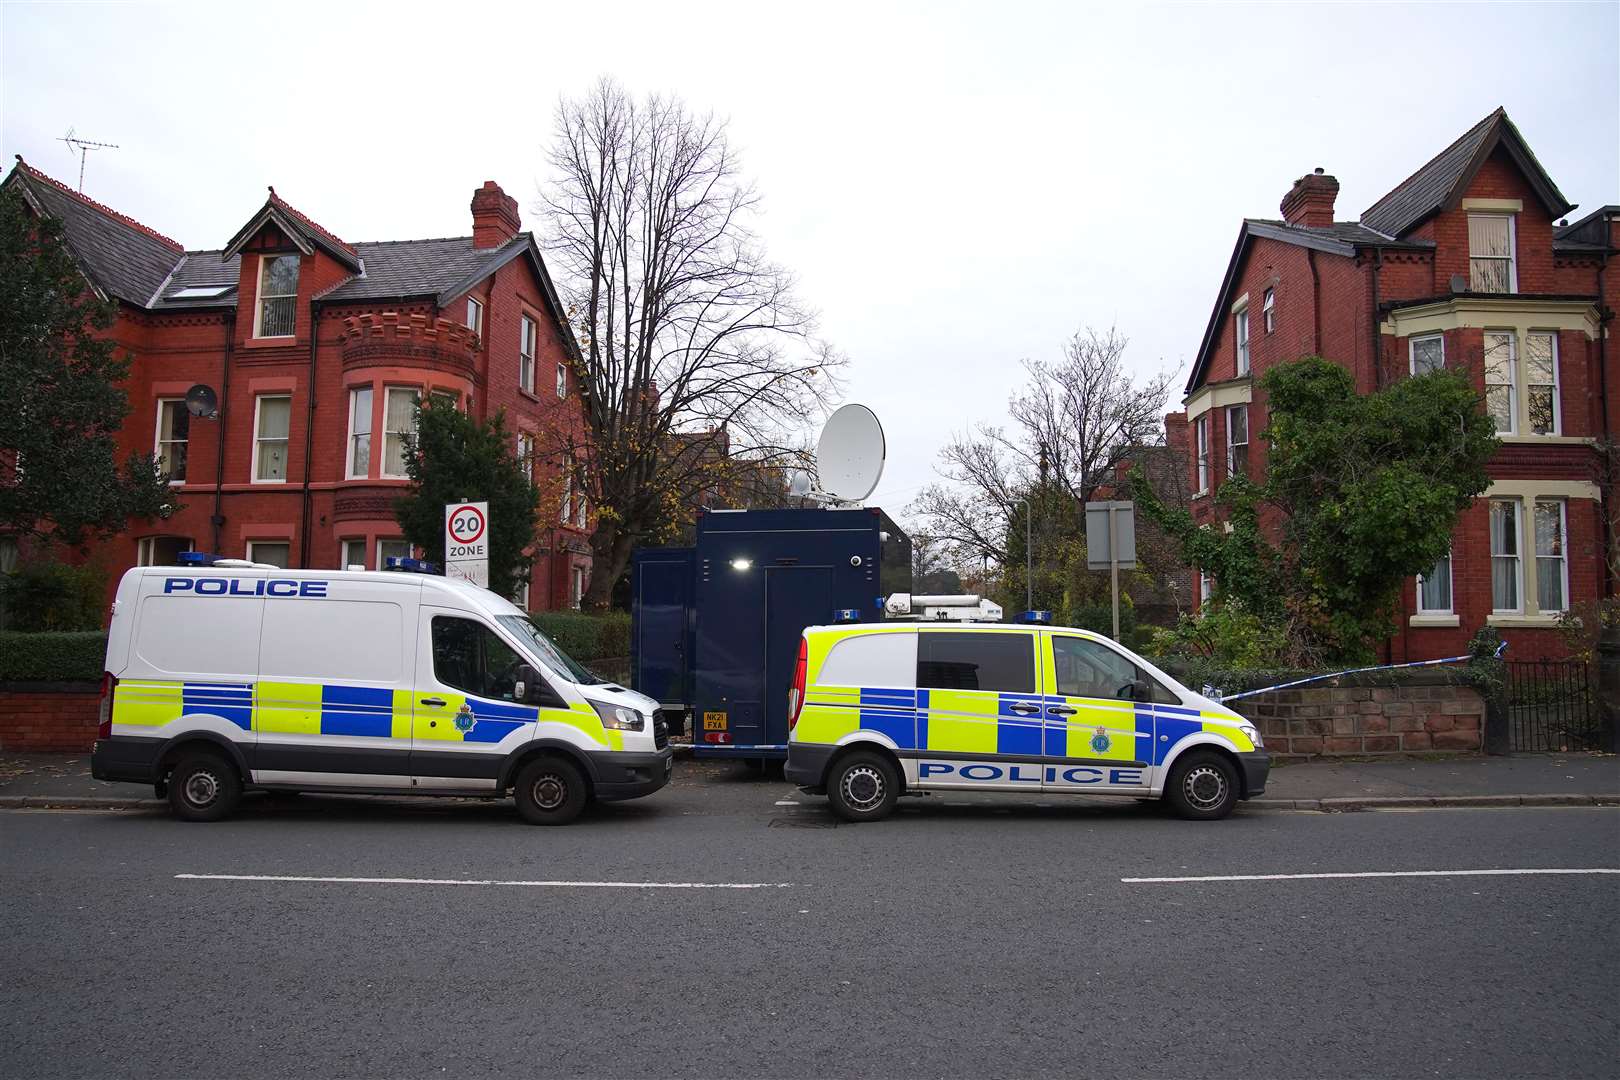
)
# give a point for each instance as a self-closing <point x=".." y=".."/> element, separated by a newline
<point x="850" y="455"/>
<point x="201" y="401"/>
<point x="798" y="483"/>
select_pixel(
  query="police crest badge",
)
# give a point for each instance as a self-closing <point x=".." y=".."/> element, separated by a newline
<point x="465" y="721"/>
<point x="1099" y="741"/>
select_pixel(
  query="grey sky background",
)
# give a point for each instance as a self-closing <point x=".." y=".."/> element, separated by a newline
<point x="956" y="186"/>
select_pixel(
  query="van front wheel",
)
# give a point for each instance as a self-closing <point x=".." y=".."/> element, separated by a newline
<point x="203" y="787"/>
<point x="1203" y="786"/>
<point x="863" y="787"/>
<point x="549" y="791"/>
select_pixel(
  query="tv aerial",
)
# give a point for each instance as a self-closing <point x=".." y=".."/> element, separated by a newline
<point x="82" y="147"/>
<point x="849" y="456"/>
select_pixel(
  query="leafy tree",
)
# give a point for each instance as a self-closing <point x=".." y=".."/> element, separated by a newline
<point x="455" y="458"/>
<point x="63" y="402"/>
<point x="1367" y="488"/>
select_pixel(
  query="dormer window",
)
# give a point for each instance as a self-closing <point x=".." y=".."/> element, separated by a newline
<point x="1491" y="266"/>
<point x="278" y="296"/>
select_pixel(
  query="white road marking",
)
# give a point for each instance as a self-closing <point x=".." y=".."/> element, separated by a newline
<point x="476" y="881"/>
<point x="788" y="802"/>
<point x="1368" y="874"/>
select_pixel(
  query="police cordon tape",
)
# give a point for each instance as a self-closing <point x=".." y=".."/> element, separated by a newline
<point x="1215" y="693"/>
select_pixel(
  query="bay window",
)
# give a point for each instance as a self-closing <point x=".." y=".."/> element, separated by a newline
<point x="1427" y="353"/>
<point x="1507" y="571"/>
<point x="1552" y="562"/>
<point x="359" y="465"/>
<point x="1501" y="378"/>
<point x="1237" y="440"/>
<point x="1541" y="382"/>
<point x="1201" y="450"/>
<point x="399" y="427"/>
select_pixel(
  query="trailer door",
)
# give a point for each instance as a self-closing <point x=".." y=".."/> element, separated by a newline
<point x="661" y="610"/>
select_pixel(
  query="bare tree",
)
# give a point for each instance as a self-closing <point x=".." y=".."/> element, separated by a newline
<point x="1074" y="422"/>
<point x="686" y="329"/>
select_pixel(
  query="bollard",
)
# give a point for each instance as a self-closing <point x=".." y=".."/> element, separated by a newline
<point x="1608" y="650"/>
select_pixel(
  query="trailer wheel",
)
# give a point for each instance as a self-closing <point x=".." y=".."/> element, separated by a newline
<point x="863" y="786"/>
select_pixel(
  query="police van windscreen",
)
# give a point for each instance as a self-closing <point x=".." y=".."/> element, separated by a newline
<point x="559" y="662"/>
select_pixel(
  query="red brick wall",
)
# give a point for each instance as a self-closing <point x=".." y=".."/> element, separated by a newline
<point x="39" y="719"/>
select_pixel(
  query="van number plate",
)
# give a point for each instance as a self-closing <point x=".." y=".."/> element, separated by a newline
<point x="714" y="721"/>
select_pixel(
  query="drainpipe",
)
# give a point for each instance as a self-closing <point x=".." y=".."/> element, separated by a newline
<point x="1605" y="316"/>
<point x="309" y="436"/>
<point x="1316" y="302"/>
<point x="217" y="520"/>
<point x="1377" y="335"/>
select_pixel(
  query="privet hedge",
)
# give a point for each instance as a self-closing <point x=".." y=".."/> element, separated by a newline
<point x="68" y="656"/>
<point x="586" y="637"/>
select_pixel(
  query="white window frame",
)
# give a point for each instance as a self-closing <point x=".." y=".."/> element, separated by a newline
<point x="349" y="472"/>
<point x="1512" y="383"/>
<point x="1268" y="309"/>
<point x="1451" y="590"/>
<point x="576" y="586"/>
<point x="562" y="380"/>
<point x="1563" y="559"/>
<point x="1512" y="255"/>
<point x="475" y="316"/>
<point x="1411" y="350"/>
<point x="1206" y="588"/>
<point x="1240" y="328"/>
<point x="260" y="296"/>
<point x="528" y="340"/>
<point x="158" y="441"/>
<point x="382" y="560"/>
<point x="580" y="515"/>
<point x="146" y="548"/>
<point x="1518" y="556"/>
<point x="520" y="595"/>
<point x="525" y="454"/>
<point x="389" y="391"/>
<point x="567" y="514"/>
<point x="258" y="411"/>
<point x="1231" y="467"/>
<point x="252" y="544"/>
<point x="1201" y="452"/>
<point x="344" y="561"/>
<point x="1557" y="387"/>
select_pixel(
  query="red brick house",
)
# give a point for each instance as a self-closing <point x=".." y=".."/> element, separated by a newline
<point x="1467" y="263"/>
<point x="318" y="350"/>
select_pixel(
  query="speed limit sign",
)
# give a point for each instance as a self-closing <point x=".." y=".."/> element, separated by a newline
<point x="466" y="542"/>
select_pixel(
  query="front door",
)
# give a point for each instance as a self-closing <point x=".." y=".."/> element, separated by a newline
<point x="465" y="719"/>
<point x="1098" y="736"/>
<point x="978" y="710"/>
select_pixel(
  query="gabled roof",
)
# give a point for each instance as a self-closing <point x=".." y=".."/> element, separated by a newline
<point x="1439" y="185"/>
<point x="122" y="258"/>
<point x="298" y="227"/>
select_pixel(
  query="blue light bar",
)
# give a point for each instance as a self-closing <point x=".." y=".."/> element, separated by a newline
<point x="1042" y="617"/>
<point x="847" y="614"/>
<point x="194" y="558"/>
<point x="410" y="566"/>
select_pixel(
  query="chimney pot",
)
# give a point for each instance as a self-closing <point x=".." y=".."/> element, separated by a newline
<point x="495" y="216"/>
<point x="1309" y="203"/>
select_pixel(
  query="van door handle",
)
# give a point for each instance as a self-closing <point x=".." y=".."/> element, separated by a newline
<point x="436" y="702"/>
<point x="1024" y="708"/>
<point x="1060" y="710"/>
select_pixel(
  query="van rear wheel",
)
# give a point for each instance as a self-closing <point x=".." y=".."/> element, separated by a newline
<point x="1203" y="786"/>
<point x="549" y="791"/>
<point x="863" y="786"/>
<point x="203" y="787"/>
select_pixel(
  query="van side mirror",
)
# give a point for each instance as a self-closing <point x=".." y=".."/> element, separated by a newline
<point x="527" y="685"/>
<point x="1139" y="690"/>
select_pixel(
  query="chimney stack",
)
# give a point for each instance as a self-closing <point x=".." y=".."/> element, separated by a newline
<point x="1310" y="202"/>
<point x="495" y="216"/>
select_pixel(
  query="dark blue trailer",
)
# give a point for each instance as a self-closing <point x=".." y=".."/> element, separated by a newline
<point x="755" y="580"/>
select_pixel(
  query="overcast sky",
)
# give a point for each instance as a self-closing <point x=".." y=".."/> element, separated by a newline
<point x="956" y="186"/>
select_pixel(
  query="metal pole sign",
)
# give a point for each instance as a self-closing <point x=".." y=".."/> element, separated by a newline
<point x="1111" y="542"/>
<point x="466" y="542"/>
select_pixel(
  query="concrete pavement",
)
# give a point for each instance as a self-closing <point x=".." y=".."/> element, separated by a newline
<point x="961" y="938"/>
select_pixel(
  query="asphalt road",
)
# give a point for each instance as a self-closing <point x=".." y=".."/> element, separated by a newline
<point x="991" y="939"/>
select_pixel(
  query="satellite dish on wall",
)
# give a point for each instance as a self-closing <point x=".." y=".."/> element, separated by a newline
<point x="201" y="402"/>
<point x="850" y="455"/>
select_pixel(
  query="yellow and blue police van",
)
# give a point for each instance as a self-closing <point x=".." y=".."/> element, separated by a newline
<point x="223" y="676"/>
<point x="880" y="710"/>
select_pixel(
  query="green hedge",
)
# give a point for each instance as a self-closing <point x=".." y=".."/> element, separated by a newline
<point x="70" y="656"/>
<point x="586" y="637"/>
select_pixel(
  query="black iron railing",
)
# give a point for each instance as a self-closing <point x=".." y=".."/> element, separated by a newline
<point x="1552" y="705"/>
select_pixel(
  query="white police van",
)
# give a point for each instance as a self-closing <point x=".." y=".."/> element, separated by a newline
<point x="223" y="676"/>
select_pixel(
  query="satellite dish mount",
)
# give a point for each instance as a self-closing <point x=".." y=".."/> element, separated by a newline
<point x="849" y="457"/>
<point x="201" y="402"/>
